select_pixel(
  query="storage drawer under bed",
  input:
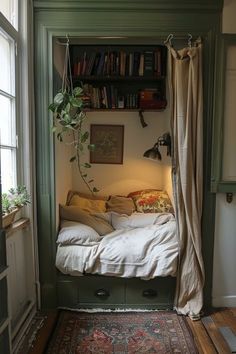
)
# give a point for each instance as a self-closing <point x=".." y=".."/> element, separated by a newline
<point x="91" y="291"/>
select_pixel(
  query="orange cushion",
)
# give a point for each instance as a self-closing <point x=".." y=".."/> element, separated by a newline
<point x="152" y="201"/>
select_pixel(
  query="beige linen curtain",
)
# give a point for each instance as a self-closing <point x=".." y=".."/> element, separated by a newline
<point x="185" y="79"/>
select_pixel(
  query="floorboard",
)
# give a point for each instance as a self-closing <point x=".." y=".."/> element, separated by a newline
<point x="208" y="337"/>
<point x="202" y="340"/>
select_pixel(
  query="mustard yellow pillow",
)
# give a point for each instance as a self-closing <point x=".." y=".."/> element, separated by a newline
<point x="88" y="205"/>
<point x="74" y="213"/>
<point x="120" y="204"/>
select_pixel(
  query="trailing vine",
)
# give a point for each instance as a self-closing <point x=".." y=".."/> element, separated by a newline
<point x="68" y="116"/>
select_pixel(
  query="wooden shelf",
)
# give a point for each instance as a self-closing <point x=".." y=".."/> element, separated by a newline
<point x="117" y="78"/>
<point x="123" y="110"/>
<point x="110" y="77"/>
<point x="17" y="225"/>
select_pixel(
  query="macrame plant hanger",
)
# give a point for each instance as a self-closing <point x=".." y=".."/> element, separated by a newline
<point x="67" y="84"/>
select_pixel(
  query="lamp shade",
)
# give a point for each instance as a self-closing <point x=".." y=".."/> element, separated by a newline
<point x="153" y="153"/>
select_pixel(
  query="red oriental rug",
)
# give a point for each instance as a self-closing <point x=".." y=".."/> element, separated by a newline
<point x="120" y="333"/>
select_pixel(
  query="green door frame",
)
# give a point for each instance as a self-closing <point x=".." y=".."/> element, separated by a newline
<point x="132" y="19"/>
<point x="217" y="182"/>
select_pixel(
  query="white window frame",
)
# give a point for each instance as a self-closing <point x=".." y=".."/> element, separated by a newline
<point x="10" y="32"/>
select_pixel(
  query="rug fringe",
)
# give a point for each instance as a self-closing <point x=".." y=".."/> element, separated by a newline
<point x="95" y="310"/>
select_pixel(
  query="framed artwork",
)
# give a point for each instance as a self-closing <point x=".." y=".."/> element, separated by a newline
<point x="109" y="143"/>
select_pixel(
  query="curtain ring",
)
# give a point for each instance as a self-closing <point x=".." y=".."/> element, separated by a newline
<point x="168" y="39"/>
<point x="190" y="37"/>
<point x="67" y="40"/>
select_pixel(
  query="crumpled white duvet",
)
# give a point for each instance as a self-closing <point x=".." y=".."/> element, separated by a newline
<point x="144" y="252"/>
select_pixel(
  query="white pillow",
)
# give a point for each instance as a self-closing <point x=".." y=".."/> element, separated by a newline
<point x="75" y="233"/>
<point x="123" y="221"/>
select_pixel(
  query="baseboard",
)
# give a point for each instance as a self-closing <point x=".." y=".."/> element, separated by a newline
<point x="224" y="301"/>
<point x="23" y="326"/>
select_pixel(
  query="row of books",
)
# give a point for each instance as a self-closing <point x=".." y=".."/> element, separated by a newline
<point x="121" y="63"/>
<point x="108" y="97"/>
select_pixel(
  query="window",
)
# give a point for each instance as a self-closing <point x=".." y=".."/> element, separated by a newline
<point x="9" y="9"/>
<point x="8" y="119"/>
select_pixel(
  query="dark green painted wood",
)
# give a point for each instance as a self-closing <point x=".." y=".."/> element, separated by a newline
<point x="164" y="288"/>
<point x="80" y="292"/>
<point x="217" y="182"/>
<point x="3" y="300"/>
<point x="2" y="249"/>
<point x="4" y="342"/>
<point x="208" y="214"/>
<point x="114" y="287"/>
<point x="170" y="5"/>
<point x="138" y="23"/>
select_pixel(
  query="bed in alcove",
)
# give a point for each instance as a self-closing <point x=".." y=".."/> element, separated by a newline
<point x="133" y="174"/>
<point x="94" y="287"/>
<point x="114" y="255"/>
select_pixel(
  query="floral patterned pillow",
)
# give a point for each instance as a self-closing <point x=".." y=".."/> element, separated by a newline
<point x="152" y="201"/>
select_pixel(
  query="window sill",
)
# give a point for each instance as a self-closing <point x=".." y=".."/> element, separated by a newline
<point x="16" y="226"/>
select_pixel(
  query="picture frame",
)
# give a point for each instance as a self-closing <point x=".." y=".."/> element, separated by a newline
<point x="109" y="143"/>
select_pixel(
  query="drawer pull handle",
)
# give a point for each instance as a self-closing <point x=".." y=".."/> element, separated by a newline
<point x="149" y="293"/>
<point x="102" y="293"/>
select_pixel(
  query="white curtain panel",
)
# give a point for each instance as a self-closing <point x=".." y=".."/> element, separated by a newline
<point x="186" y="100"/>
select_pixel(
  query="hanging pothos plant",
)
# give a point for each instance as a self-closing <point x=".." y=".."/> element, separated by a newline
<point x="68" y="117"/>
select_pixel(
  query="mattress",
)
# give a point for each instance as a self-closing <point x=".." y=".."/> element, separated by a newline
<point x="144" y="252"/>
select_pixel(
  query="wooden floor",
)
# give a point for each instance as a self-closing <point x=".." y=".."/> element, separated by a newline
<point x="207" y="332"/>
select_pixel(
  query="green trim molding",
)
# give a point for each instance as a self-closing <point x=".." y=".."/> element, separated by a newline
<point x="169" y="5"/>
<point x="134" y="20"/>
<point x="217" y="182"/>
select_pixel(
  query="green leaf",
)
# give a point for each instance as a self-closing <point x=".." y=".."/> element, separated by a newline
<point x="54" y="129"/>
<point x="58" y="99"/>
<point x="95" y="190"/>
<point x="67" y="108"/>
<point x="73" y="158"/>
<point x="81" y="147"/>
<point x="91" y="147"/>
<point x="77" y="91"/>
<point x="84" y="137"/>
<point x="59" y="137"/>
<point x="87" y="165"/>
<point x="52" y="107"/>
<point x="76" y="102"/>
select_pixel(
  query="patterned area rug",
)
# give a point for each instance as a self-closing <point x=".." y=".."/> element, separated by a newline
<point x="120" y="333"/>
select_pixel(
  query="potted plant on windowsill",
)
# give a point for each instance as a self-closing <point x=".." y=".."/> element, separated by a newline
<point x="12" y="202"/>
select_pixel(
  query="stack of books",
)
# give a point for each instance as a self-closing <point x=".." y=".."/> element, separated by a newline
<point x="121" y="63"/>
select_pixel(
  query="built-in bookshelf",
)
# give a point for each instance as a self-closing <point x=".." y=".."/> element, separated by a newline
<point x="116" y="77"/>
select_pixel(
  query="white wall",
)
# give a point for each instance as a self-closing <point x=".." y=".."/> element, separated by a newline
<point x="228" y="20"/>
<point x="224" y="279"/>
<point x="136" y="172"/>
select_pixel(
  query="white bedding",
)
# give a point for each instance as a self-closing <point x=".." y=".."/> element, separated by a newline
<point x="144" y="252"/>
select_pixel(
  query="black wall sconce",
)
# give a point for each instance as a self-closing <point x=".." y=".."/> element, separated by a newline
<point x="154" y="153"/>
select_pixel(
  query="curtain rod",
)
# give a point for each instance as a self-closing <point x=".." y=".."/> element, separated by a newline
<point x="167" y="40"/>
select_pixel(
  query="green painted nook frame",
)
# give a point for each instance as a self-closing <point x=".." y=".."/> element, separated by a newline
<point x="132" y="19"/>
<point x="217" y="182"/>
